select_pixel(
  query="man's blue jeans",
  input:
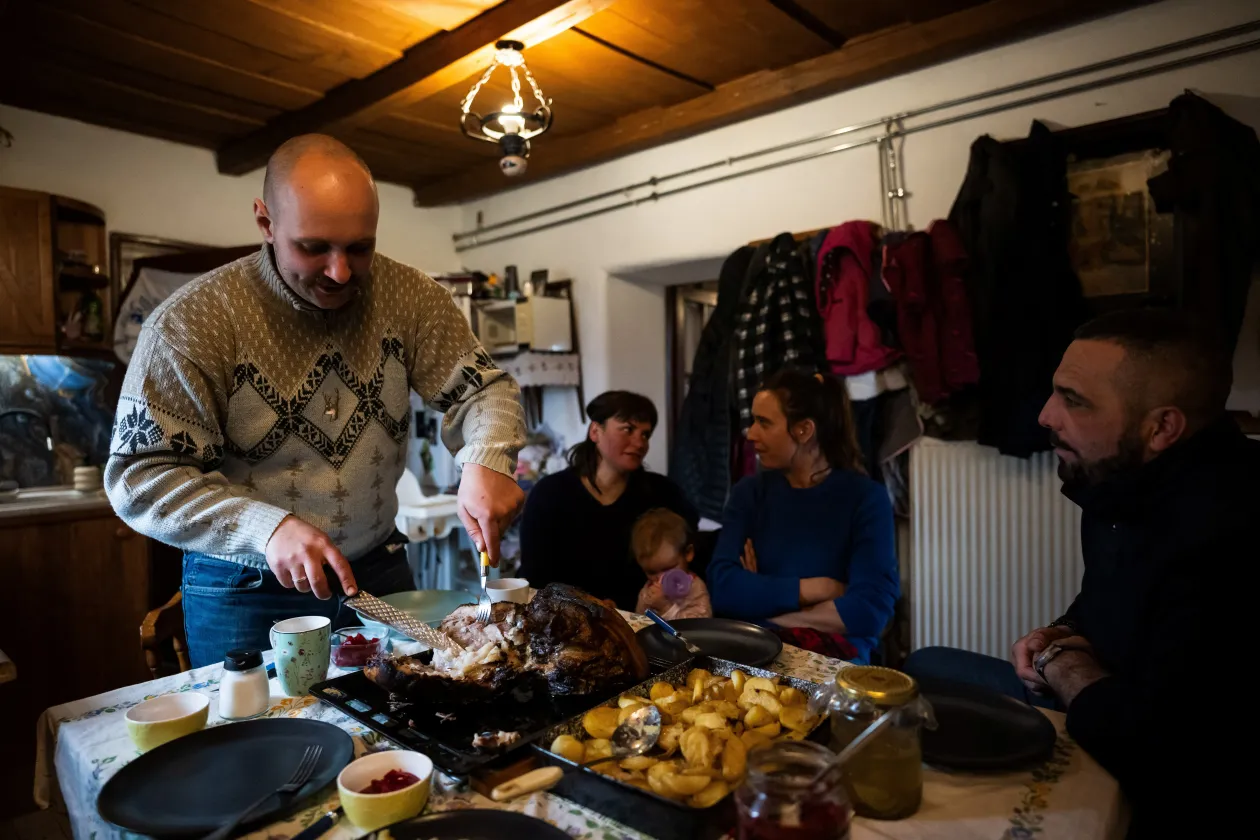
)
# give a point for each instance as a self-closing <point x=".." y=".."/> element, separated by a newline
<point x="963" y="666"/>
<point x="227" y="605"/>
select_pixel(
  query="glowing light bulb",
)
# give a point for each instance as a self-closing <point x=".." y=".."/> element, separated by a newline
<point x="510" y="118"/>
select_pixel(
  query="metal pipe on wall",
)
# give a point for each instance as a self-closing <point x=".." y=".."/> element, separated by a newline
<point x="473" y="239"/>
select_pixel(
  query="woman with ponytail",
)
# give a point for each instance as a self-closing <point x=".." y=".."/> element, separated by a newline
<point x="577" y="523"/>
<point x="807" y="544"/>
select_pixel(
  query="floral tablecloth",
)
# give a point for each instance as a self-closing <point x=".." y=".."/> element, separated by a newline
<point x="82" y="744"/>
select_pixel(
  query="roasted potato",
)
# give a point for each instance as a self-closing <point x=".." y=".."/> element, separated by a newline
<point x="659" y="690"/>
<point x="734" y="760"/>
<point x="757" y="716"/>
<point x="639" y="762"/>
<point x="656" y="779"/>
<point x="601" y="722"/>
<point x="770" y="730"/>
<point x="797" y="717"/>
<point x="632" y="701"/>
<point x="689" y="714"/>
<point x="761" y="684"/>
<point x="569" y="747"/>
<point x="668" y="742"/>
<point x="790" y="696"/>
<point x="710" y="720"/>
<point x="728" y="709"/>
<point x="697" y="747"/>
<point x="711" y="795"/>
<point x="596" y="748"/>
<point x="738" y="678"/>
<point x="768" y="701"/>
<point x="686" y="785"/>
<point x="754" y="740"/>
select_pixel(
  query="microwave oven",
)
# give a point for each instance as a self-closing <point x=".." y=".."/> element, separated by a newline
<point x="537" y="323"/>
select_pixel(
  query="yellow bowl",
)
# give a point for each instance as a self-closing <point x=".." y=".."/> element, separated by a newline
<point x="154" y="722"/>
<point x="370" y="811"/>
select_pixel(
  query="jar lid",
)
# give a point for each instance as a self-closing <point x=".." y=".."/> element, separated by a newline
<point x="881" y="686"/>
<point x="242" y="659"/>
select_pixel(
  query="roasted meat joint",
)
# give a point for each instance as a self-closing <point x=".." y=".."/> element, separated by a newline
<point x="565" y="637"/>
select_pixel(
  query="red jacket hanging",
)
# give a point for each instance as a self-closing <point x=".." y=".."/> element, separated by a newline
<point x="844" y="269"/>
<point x="924" y="273"/>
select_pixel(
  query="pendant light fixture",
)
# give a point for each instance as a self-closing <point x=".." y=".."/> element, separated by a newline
<point x="511" y="127"/>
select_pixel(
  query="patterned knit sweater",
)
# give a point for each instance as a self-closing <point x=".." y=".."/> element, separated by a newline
<point x="244" y="403"/>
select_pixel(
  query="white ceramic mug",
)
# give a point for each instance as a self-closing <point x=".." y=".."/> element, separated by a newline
<point x="301" y="647"/>
<point x="515" y="590"/>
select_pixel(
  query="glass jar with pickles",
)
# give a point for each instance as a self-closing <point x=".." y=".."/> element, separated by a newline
<point x="884" y="778"/>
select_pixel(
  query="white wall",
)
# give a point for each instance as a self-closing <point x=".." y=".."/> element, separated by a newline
<point x="157" y="188"/>
<point x="619" y="260"/>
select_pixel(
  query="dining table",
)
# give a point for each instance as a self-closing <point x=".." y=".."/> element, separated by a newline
<point x="1070" y="797"/>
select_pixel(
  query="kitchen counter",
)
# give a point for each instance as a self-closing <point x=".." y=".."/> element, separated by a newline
<point x="53" y="502"/>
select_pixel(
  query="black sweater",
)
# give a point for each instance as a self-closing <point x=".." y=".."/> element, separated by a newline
<point x="1169" y="551"/>
<point x="568" y="536"/>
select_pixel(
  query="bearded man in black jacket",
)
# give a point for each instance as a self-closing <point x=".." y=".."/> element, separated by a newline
<point x="1146" y="658"/>
<point x="1169" y="490"/>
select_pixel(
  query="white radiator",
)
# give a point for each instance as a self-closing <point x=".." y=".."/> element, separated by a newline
<point x="995" y="548"/>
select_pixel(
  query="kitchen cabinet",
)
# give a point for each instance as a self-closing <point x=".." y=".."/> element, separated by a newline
<point x="52" y="257"/>
<point x="77" y="587"/>
<point x="28" y="317"/>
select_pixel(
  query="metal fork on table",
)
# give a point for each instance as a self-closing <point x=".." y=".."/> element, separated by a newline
<point x="302" y="775"/>
<point x="669" y="628"/>
<point x="483" y="604"/>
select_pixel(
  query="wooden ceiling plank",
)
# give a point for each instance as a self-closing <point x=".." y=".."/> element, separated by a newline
<point x="165" y="86"/>
<point x="810" y="21"/>
<point x="368" y="19"/>
<point x="445" y="57"/>
<point x="108" y="91"/>
<point x="122" y="19"/>
<point x="59" y="104"/>
<point x="862" y="61"/>
<point x="715" y="43"/>
<point x="856" y="17"/>
<point x="298" y="39"/>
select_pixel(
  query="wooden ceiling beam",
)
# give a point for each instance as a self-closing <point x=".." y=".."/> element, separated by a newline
<point x="810" y="21"/>
<point x="433" y="65"/>
<point x="861" y="61"/>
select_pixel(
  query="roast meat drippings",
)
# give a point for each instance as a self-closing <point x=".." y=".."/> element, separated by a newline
<point x="566" y="636"/>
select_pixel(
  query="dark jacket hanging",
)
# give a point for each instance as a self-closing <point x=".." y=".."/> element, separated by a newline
<point x="1213" y="185"/>
<point x="1013" y="214"/>
<point x="700" y="460"/>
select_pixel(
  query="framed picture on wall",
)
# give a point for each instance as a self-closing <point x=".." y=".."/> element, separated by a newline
<point x="1124" y="251"/>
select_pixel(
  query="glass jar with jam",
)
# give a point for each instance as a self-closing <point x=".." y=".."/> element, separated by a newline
<point x="884" y="779"/>
<point x="793" y="791"/>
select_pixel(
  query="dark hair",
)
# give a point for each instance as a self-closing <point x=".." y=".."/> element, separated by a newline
<point x="655" y="527"/>
<point x="825" y="400"/>
<point x="1169" y="357"/>
<point x="610" y="405"/>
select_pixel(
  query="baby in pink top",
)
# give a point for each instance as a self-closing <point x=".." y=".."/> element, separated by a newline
<point x="662" y="545"/>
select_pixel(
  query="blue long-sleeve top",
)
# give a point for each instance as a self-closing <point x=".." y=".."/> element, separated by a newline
<point x="842" y="528"/>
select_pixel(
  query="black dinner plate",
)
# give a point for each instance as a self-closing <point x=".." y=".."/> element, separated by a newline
<point x="476" y="824"/>
<point x="721" y="638"/>
<point x="192" y="785"/>
<point x="980" y="730"/>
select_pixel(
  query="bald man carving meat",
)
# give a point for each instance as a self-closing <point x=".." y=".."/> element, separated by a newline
<point x="263" y="423"/>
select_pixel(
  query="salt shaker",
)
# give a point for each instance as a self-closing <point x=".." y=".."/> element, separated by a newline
<point x="243" y="692"/>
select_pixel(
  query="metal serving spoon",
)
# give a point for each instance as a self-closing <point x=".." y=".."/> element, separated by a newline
<point x="637" y="734"/>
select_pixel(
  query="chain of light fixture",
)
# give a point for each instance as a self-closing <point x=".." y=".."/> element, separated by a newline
<point x="509" y="127"/>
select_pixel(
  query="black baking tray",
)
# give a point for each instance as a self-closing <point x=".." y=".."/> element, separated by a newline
<point x="528" y="708"/>
<point x="655" y="816"/>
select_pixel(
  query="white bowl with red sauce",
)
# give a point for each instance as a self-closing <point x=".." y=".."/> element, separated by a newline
<point x="383" y="788"/>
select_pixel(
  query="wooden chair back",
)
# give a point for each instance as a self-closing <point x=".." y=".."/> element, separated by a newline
<point x="162" y="625"/>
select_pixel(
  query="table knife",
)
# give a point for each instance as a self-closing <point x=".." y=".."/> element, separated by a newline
<point x="320" y="826"/>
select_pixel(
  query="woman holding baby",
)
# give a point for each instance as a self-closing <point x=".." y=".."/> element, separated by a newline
<point x="578" y="523"/>
<point x="808" y="543"/>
